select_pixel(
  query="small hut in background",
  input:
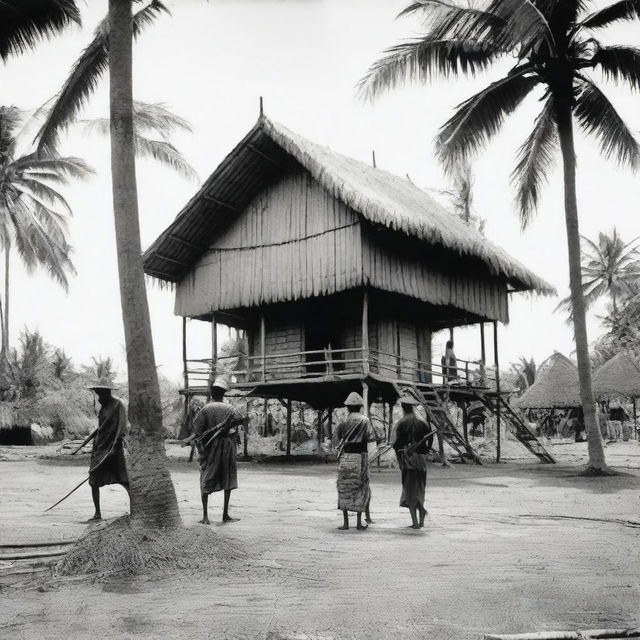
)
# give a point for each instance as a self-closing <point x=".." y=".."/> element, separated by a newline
<point x="619" y="377"/>
<point x="336" y="272"/>
<point x="556" y="387"/>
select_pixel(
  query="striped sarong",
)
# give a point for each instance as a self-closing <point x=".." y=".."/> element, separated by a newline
<point x="353" y="482"/>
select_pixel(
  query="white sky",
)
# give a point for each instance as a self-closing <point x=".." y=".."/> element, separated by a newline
<point x="210" y="62"/>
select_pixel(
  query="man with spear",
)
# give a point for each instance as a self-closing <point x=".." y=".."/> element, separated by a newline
<point x="217" y="440"/>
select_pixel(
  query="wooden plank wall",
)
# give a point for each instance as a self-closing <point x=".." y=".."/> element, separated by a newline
<point x="293" y="240"/>
<point x="280" y="337"/>
<point x="405" y="275"/>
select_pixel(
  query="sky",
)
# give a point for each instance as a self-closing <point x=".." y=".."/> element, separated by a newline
<point x="210" y="62"/>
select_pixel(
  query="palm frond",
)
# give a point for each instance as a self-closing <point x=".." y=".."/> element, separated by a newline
<point x="481" y="116"/>
<point x="65" y="167"/>
<point x="534" y="161"/>
<point x="616" y="12"/>
<point x="422" y="60"/>
<point x="165" y="153"/>
<point x="619" y="63"/>
<point x="597" y="117"/>
<point x="41" y="192"/>
<point x="85" y="75"/>
<point x="24" y="24"/>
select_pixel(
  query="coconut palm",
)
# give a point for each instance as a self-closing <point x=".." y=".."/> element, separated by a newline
<point x="555" y="53"/>
<point x="33" y="213"/>
<point x="24" y="24"/>
<point x="525" y="371"/>
<point x="609" y="267"/>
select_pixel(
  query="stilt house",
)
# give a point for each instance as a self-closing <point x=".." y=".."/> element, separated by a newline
<point x="338" y="272"/>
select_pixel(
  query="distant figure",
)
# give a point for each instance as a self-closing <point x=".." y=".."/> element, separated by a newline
<point x="617" y="415"/>
<point x="412" y="443"/>
<point x="215" y="433"/>
<point x="353" y="473"/>
<point x="107" y="458"/>
<point x="449" y="363"/>
<point x="476" y="416"/>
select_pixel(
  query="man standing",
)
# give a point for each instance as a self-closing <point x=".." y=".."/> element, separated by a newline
<point x="353" y="472"/>
<point x="412" y="443"/>
<point x="107" y="458"/>
<point x="217" y="440"/>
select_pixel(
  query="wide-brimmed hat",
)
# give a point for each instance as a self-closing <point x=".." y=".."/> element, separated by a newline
<point x="103" y="383"/>
<point x="408" y="399"/>
<point x="220" y="383"/>
<point x="354" y="400"/>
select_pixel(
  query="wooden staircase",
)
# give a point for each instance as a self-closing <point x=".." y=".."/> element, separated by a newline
<point x="439" y="417"/>
<point x="518" y="427"/>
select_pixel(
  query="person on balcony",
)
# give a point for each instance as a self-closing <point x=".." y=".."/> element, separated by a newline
<point x="353" y="434"/>
<point x="217" y="439"/>
<point x="449" y="363"/>
<point x="412" y="442"/>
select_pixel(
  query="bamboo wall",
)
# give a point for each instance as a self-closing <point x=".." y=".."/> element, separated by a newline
<point x="293" y="241"/>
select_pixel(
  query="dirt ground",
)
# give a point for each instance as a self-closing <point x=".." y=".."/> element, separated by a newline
<point x="510" y="548"/>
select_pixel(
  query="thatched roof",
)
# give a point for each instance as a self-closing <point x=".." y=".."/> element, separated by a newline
<point x="378" y="196"/>
<point x="556" y="386"/>
<point x="619" y="376"/>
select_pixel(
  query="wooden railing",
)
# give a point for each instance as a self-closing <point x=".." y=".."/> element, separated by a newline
<point x="334" y="362"/>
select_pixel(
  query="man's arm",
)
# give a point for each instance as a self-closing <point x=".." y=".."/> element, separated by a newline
<point x="90" y="437"/>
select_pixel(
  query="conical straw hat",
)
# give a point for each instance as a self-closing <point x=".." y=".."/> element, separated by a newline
<point x="618" y="376"/>
<point x="556" y="386"/>
<point x="354" y="400"/>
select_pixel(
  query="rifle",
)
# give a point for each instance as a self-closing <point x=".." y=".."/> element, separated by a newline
<point x="214" y="432"/>
<point x="409" y="449"/>
<point x="86" y="441"/>
<point x="344" y="439"/>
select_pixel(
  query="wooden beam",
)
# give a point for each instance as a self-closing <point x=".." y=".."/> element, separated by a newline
<point x="319" y="431"/>
<point x="365" y="331"/>
<point x="262" y="154"/>
<point x="263" y="345"/>
<point x="214" y="344"/>
<point x="163" y="275"/>
<point x="497" y="365"/>
<point x="184" y="353"/>
<point x="222" y="203"/>
<point x="172" y="260"/>
<point x="483" y="357"/>
<point x="288" y="427"/>
<point x="186" y="243"/>
<point x="365" y="398"/>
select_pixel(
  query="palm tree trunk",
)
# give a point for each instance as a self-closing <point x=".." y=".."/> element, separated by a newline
<point x="5" y="318"/>
<point x="596" y="462"/>
<point x="153" y="498"/>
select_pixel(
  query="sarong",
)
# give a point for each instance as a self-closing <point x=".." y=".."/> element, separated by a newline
<point x="112" y="471"/>
<point x="218" y="466"/>
<point x="414" y="479"/>
<point x="353" y="482"/>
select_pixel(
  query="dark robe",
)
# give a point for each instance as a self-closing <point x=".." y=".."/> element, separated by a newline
<point x="112" y="427"/>
<point x="408" y="430"/>
<point x="218" y="466"/>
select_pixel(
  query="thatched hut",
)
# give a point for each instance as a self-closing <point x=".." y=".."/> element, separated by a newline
<point x="556" y="386"/>
<point x="618" y="377"/>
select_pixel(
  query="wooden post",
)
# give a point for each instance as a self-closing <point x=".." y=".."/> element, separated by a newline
<point x="319" y="430"/>
<point x="265" y="411"/>
<point x="330" y="423"/>
<point x="245" y="440"/>
<point x="214" y="344"/>
<point x="365" y="332"/>
<point x="451" y="334"/>
<point x="288" y="427"/>
<point x="263" y="345"/>
<point x="497" y="365"/>
<point x="373" y="158"/>
<point x="483" y="357"/>
<point x="185" y="367"/>
<point x="635" y="419"/>
<point x="365" y="398"/>
<point x="465" y="430"/>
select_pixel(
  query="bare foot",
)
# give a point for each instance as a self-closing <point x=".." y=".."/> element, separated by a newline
<point x="95" y="518"/>
<point x="369" y="520"/>
<point x="413" y="526"/>
<point x="229" y="519"/>
<point x="344" y="527"/>
<point x="362" y="527"/>
<point x="204" y="521"/>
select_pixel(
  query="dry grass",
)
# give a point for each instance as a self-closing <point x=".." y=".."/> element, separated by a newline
<point x="122" y="549"/>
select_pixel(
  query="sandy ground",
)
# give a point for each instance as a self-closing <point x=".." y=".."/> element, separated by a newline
<point x="511" y="548"/>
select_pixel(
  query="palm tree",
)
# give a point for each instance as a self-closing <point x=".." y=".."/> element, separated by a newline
<point x="611" y="267"/>
<point x="525" y="371"/>
<point x="33" y="212"/>
<point x="24" y="24"/>
<point x="554" y="50"/>
<point x="153" y="498"/>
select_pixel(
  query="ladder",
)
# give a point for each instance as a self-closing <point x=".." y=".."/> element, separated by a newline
<point x="519" y="429"/>
<point x="440" y="418"/>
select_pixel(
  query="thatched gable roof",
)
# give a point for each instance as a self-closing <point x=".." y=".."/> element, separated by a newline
<point x="556" y="386"/>
<point x="378" y="196"/>
<point x="619" y="376"/>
